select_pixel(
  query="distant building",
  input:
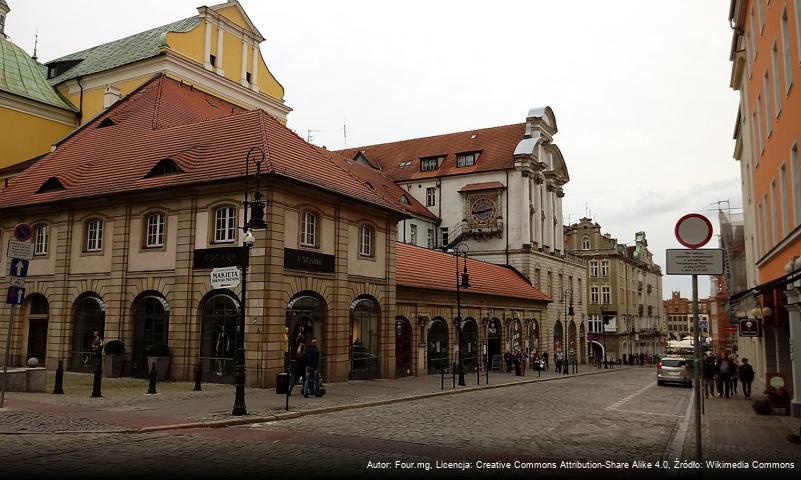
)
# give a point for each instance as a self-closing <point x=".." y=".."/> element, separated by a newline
<point x="679" y="313"/>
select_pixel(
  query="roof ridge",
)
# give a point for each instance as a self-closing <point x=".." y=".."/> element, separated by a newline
<point x="364" y="147"/>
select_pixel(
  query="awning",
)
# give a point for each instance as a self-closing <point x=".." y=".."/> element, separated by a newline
<point x="770" y="285"/>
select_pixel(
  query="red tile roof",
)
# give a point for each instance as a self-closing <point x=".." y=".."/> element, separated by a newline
<point x="434" y="270"/>
<point x="481" y="186"/>
<point x="495" y="145"/>
<point x="207" y="137"/>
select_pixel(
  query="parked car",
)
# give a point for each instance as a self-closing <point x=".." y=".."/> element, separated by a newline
<point x="674" y="370"/>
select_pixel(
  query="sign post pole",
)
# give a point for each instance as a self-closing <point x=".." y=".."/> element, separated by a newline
<point x="697" y="371"/>
<point x="6" y="357"/>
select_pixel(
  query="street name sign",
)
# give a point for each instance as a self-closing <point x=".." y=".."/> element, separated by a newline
<point x="707" y="261"/>
<point x="19" y="267"/>
<point x="749" y="327"/>
<point x="226" y="277"/>
<point x="17" y="249"/>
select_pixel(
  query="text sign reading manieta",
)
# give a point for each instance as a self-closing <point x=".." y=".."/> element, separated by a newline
<point x="227" y="277"/>
<point x="706" y="261"/>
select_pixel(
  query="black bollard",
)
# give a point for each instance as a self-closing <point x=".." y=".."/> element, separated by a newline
<point x="198" y="377"/>
<point x="453" y="375"/>
<point x="153" y="376"/>
<point x="59" y="387"/>
<point x="96" y="393"/>
<point x="442" y="378"/>
<point x="478" y="373"/>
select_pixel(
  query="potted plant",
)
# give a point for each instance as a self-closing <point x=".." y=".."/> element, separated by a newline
<point x="159" y="353"/>
<point x="114" y="363"/>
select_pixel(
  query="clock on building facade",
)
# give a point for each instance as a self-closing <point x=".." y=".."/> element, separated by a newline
<point x="483" y="210"/>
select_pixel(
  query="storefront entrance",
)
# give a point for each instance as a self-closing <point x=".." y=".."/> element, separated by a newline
<point x="494" y="353"/>
<point x="437" y="346"/>
<point x="403" y="347"/>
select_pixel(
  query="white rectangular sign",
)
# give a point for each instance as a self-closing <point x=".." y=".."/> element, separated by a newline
<point x="17" y="249"/>
<point x="17" y="282"/>
<point x="706" y="261"/>
<point x="225" y="277"/>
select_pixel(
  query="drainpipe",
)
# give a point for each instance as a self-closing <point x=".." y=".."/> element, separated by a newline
<point x="80" y="105"/>
<point x="506" y="218"/>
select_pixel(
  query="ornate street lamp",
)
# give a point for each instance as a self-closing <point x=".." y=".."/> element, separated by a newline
<point x="603" y="330"/>
<point x="256" y="222"/>
<point x="462" y="281"/>
<point x="566" y="329"/>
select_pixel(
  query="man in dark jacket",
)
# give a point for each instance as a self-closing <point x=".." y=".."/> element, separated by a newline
<point x="708" y="372"/>
<point x="312" y="369"/>
<point x="746" y="374"/>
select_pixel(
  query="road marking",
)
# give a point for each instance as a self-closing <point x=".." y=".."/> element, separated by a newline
<point x="620" y="402"/>
<point x="646" y="413"/>
<point x="675" y="448"/>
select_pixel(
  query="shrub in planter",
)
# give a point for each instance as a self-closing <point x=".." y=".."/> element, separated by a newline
<point x="114" y="362"/>
<point x="159" y="353"/>
<point x="762" y="407"/>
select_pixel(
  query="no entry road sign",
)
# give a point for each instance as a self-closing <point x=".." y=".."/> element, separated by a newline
<point x="23" y="232"/>
<point x="693" y="230"/>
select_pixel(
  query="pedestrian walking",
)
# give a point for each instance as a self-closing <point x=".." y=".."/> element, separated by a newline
<point x="734" y="376"/>
<point x="559" y="358"/>
<point x="642" y="359"/>
<point x="746" y="374"/>
<point x="312" y="380"/>
<point x="724" y="372"/>
<point x="545" y="360"/>
<point x="97" y="345"/>
<point x="708" y="373"/>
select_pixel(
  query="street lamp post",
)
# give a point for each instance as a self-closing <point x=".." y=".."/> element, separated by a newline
<point x="462" y="281"/>
<point x="603" y="330"/>
<point x="566" y="328"/>
<point x="256" y="222"/>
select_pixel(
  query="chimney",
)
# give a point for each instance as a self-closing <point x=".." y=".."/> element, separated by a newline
<point x="111" y="95"/>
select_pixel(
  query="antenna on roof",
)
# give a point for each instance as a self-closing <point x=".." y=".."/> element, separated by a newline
<point x="35" y="45"/>
<point x="345" y="131"/>
<point x="309" y="136"/>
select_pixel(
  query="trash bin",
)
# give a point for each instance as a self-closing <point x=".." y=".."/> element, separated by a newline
<point x="281" y="383"/>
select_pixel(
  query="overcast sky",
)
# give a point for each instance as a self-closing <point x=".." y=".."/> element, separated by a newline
<point x="640" y="89"/>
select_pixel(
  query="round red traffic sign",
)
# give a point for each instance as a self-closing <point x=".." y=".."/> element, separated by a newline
<point x="693" y="230"/>
<point x="23" y="232"/>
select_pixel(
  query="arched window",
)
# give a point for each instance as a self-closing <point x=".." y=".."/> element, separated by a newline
<point x="154" y="235"/>
<point x="219" y="317"/>
<point x="94" y="235"/>
<point x="437" y="345"/>
<point x="151" y="314"/>
<point x="470" y="353"/>
<point x="41" y="239"/>
<point x="364" y="319"/>
<point x="585" y="243"/>
<point x="366" y="240"/>
<point x="225" y="224"/>
<point x="89" y="316"/>
<point x="308" y="229"/>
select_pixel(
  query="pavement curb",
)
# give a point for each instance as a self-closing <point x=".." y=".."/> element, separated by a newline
<point x="235" y="422"/>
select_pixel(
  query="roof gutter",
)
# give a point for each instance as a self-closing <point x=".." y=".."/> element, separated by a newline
<point x="80" y="104"/>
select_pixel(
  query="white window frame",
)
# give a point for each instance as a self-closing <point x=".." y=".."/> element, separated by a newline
<point x="753" y="35"/>
<point x="768" y="100"/>
<point x="786" y="53"/>
<point x="413" y="234"/>
<point x="798" y="27"/>
<point x="760" y="130"/>
<point x="155" y="225"/>
<point x="774" y="218"/>
<point x="585" y="243"/>
<point x="461" y="159"/>
<point x="225" y="226"/>
<point x="431" y="196"/>
<point x="429" y="164"/>
<point x="777" y="86"/>
<point x="430" y="239"/>
<point x="308" y="228"/>
<point x="605" y="268"/>
<point x="593" y="268"/>
<point x="606" y="294"/>
<point x="796" y="179"/>
<point x="366" y="240"/>
<point x="783" y="199"/>
<point x="94" y="235"/>
<point x="761" y="13"/>
<point x="41" y="239"/>
<point x="594" y="295"/>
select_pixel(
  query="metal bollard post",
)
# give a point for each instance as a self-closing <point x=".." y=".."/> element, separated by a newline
<point x="442" y="380"/>
<point x="198" y="377"/>
<point x="153" y="376"/>
<point x="59" y="387"/>
<point x="453" y="375"/>
<point x="478" y="373"/>
<point x="96" y="393"/>
<point x="486" y="372"/>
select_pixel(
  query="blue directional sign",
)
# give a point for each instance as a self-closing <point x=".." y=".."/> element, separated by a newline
<point x="16" y="295"/>
<point x="19" y="267"/>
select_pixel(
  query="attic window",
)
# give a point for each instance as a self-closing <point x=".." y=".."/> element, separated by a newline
<point x="51" y="185"/>
<point x="106" y="122"/>
<point x="466" y="159"/>
<point x="429" y="164"/>
<point x="404" y="199"/>
<point x="369" y="185"/>
<point x="164" y="167"/>
<point x="405" y="164"/>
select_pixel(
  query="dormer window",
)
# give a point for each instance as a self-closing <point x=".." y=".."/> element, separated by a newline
<point x="585" y="243"/>
<point x="429" y="164"/>
<point x="164" y="167"/>
<point x="52" y="184"/>
<point x="466" y="159"/>
<point x="404" y="199"/>
<point x="106" y="122"/>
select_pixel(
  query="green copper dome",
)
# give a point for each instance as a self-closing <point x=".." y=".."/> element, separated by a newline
<point x="21" y="75"/>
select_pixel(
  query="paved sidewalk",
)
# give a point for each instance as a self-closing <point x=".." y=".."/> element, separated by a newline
<point x="733" y="432"/>
<point x="125" y="407"/>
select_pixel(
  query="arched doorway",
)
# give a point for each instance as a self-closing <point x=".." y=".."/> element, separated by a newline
<point x="557" y="337"/>
<point x="571" y="338"/>
<point x="89" y="316"/>
<point x="38" y="315"/>
<point x="437" y="345"/>
<point x="494" y="343"/>
<point x="582" y="344"/>
<point x="220" y="313"/>
<point x="597" y="353"/>
<point x="305" y="317"/>
<point x="470" y="344"/>
<point x="151" y="315"/>
<point x="534" y="336"/>
<point x="364" y="317"/>
<point x="515" y="336"/>
<point x="403" y="347"/>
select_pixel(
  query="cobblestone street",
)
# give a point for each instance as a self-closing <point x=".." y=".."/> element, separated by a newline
<point x="618" y="416"/>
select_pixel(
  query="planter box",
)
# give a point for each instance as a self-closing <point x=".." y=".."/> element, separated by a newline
<point x="113" y="365"/>
<point x="162" y="366"/>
